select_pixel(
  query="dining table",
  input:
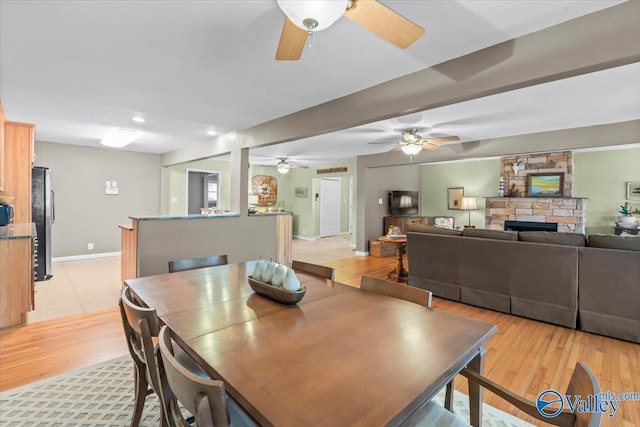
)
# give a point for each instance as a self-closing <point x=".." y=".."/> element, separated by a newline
<point x="339" y="357"/>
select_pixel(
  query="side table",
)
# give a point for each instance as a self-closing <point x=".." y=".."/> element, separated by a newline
<point x="399" y="274"/>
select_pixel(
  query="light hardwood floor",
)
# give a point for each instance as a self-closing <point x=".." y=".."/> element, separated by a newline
<point x="525" y="355"/>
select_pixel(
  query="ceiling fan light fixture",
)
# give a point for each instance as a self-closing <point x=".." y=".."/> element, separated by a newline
<point x="411" y="148"/>
<point x="283" y="167"/>
<point x="313" y="15"/>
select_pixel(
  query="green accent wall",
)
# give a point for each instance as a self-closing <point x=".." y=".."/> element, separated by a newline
<point x="479" y="178"/>
<point x="305" y="209"/>
<point x="601" y="177"/>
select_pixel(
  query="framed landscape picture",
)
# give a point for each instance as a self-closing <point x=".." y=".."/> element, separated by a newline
<point x="454" y="197"/>
<point x="633" y="190"/>
<point x="545" y="184"/>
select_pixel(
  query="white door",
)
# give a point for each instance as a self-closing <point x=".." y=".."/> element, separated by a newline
<point x="329" y="207"/>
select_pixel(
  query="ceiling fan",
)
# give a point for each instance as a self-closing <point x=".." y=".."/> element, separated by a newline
<point x="283" y="166"/>
<point x="412" y="143"/>
<point x="306" y="16"/>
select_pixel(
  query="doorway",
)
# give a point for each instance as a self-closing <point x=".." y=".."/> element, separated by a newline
<point x="329" y="207"/>
<point x="203" y="190"/>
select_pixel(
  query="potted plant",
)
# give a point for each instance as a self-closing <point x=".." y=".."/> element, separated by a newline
<point x="626" y="217"/>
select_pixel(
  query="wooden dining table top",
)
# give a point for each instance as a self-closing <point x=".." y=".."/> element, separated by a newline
<point x="340" y="357"/>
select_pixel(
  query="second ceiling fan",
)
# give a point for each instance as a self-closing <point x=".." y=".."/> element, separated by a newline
<point x="412" y="143"/>
<point x="306" y="16"/>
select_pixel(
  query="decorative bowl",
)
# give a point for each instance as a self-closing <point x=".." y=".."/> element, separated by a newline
<point x="276" y="293"/>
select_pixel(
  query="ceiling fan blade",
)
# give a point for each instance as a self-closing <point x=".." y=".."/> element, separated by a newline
<point x="441" y="139"/>
<point x="431" y="147"/>
<point x="292" y="42"/>
<point x="384" y="22"/>
<point x="298" y="167"/>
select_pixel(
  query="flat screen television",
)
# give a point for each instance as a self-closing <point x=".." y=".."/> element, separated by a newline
<point x="403" y="203"/>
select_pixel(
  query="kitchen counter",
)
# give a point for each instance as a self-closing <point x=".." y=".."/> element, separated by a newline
<point x="271" y="213"/>
<point x="193" y="216"/>
<point x="26" y="230"/>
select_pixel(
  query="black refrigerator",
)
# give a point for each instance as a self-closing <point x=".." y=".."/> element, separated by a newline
<point x="42" y="215"/>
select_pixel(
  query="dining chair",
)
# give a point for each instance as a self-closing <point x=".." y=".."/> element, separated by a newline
<point x="193" y="263"/>
<point x="396" y="290"/>
<point x="140" y="325"/>
<point x="315" y="269"/>
<point x="583" y="383"/>
<point x="205" y="398"/>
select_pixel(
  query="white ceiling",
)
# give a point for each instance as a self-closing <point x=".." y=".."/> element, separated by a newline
<point x="78" y="69"/>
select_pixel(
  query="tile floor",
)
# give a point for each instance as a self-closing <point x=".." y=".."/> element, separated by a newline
<point x="87" y="285"/>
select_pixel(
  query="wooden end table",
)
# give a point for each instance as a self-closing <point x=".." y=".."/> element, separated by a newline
<point x="399" y="274"/>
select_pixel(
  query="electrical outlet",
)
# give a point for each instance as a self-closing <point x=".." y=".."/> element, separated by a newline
<point x="90" y="246"/>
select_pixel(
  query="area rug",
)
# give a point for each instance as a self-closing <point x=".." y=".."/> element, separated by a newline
<point x="102" y="396"/>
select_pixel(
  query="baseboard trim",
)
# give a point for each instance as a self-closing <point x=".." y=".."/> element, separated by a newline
<point x="310" y="239"/>
<point x="86" y="256"/>
<point x="360" y="253"/>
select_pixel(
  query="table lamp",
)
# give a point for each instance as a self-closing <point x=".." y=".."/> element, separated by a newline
<point x="469" y="204"/>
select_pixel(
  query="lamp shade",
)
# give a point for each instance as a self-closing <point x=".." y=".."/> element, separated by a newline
<point x="322" y="12"/>
<point x="468" y="204"/>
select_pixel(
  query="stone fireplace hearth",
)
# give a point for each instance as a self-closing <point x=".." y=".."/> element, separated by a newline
<point x="567" y="211"/>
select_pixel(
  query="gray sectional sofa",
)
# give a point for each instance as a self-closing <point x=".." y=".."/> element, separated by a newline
<point x="560" y="278"/>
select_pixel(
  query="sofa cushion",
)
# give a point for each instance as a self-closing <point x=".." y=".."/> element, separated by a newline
<point x="553" y="238"/>
<point x="490" y="234"/>
<point x="423" y="228"/>
<point x="611" y="241"/>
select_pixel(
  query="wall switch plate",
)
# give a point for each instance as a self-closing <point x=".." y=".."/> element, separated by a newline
<point x="114" y="184"/>
<point x="90" y="246"/>
<point x="107" y="184"/>
<point x="174" y="199"/>
<point x="112" y="191"/>
<point x="379" y="201"/>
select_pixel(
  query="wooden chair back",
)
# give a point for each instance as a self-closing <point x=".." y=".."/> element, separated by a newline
<point x="140" y="326"/>
<point x="396" y="290"/>
<point x="582" y="383"/>
<point x="193" y="263"/>
<point x="205" y="398"/>
<point x="315" y="269"/>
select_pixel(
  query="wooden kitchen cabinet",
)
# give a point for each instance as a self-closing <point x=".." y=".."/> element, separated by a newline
<point x="16" y="273"/>
<point x="2" y="122"/>
<point x="18" y="161"/>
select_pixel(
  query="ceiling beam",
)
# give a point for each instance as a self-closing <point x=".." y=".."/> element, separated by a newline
<point x="594" y="42"/>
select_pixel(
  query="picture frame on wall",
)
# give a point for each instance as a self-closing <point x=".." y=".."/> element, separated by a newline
<point x="633" y="190"/>
<point x="454" y="197"/>
<point x="301" y="192"/>
<point x="545" y="184"/>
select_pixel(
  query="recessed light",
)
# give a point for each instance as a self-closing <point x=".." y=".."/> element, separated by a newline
<point x="212" y="132"/>
<point x="138" y="119"/>
<point x="118" y="138"/>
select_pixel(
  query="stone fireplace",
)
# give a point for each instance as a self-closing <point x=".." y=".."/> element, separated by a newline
<point x="567" y="211"/>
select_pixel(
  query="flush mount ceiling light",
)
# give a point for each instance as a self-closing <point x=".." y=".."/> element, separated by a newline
<point x="138" y="119"/>
<point x="118" y="138"/>
<point x="212" y="132"/>
<point x="313" y="15"/>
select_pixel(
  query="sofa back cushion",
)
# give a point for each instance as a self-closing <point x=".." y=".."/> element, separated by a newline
<point x="490" y="234"/>
<point x="424" y="228"/>
<point x="553" y="238"/>
<point x="611" y="241"/>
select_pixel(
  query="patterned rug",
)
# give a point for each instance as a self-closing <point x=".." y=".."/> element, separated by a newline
<point x="102" y="396"/>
